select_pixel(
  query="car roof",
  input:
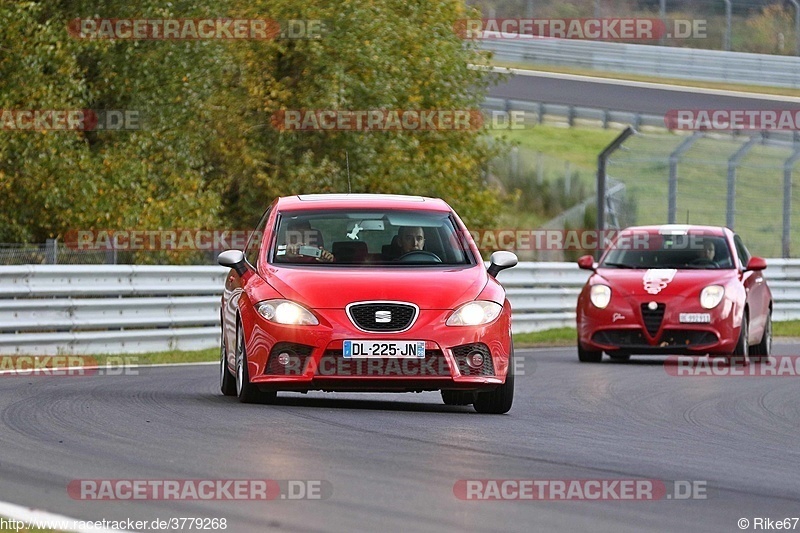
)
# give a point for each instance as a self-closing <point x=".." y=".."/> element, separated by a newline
<point x="317" y="202"/>
<point x="677" y="229"/>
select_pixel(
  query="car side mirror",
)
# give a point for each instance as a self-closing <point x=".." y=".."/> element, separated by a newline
<point x="233" y="259"/>
<point x="501" y="261"/>
<point x="586" y="262"/>
<point x="756" y="263"/>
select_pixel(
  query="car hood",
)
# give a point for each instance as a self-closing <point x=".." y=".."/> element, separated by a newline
<point x="334" y="287"/>
<point x="662" y="283"/>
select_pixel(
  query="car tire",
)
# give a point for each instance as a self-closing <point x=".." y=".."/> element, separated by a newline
<point x="741" y="352"/>
<point x="227" y="382"/>
<point x="499" y="400"/>
<point x="246" y="391"/>
<point x="763" y="349"/>
<point x="589" y="356"/>
<point x="455" y="397"/>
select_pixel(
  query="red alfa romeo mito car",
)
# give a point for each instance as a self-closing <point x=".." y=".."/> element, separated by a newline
<point x="372" y="293"/>
<point x="686" y="290"/>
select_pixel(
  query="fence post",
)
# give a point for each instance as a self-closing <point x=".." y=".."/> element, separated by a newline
<point x="728" y="21"/>
<point x="602" y="159"/>
<point x="51" y="252"/>
<point x="674" y="158"/>
<point x="788" y="166"/>
<point x="796" y="5"/>
<point x="733" y="162"/>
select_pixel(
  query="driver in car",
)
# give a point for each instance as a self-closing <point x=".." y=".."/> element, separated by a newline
<point x="412" y="238"/>
<point x="708" y="250"/>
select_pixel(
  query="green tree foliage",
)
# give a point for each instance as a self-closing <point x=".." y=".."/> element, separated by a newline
<point x="207" y="155"/>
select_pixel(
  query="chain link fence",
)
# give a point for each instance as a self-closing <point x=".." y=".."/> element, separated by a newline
<point x="744" y="182"/>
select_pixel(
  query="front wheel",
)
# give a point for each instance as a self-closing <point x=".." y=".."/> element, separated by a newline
<point x="499" y="400"/>
<point x="762" y="350"/>
<point x="246" y="391"/>
<point x="741" y="353"/>
<point x="227" y="383"/>
<point x="455" y="397"/>
<point x="589" y="356"/>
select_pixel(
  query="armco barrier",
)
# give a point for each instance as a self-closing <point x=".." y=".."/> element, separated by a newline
<point x="641" y="59"/>
<point x="113" y="309"/>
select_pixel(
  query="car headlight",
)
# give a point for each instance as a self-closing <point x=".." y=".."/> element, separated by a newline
<point x="475" y="313"/>
<point x="286" y="312"/>
<point x="711" y="296"/>
<point x="600" y="295"/>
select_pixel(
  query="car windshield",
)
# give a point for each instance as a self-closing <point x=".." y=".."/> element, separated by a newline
<point x="375" y="237"/>
<point x="670" y="251"/>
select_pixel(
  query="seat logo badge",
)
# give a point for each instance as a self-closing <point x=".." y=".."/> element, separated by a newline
<point x="381" y="317"/>
<point x="656" y="279"/>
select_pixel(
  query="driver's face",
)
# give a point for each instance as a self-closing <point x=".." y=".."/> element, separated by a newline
<point x="412" y="239"/>
<point x="709" y="250"/>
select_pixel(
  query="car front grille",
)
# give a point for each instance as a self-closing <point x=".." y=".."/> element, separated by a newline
<point x="334" y="364"/>
<point x="382" y="317"/>
<point x="462" y="352"/>
<point x="653" y="317"/>
<point x="635" y="339"/>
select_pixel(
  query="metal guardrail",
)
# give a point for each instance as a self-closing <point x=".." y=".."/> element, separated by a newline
<point x="541" y="112"/>
<point x="115" y="309"/>
<point x="663" y="61"/>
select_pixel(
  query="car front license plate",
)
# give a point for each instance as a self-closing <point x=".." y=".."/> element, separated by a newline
<point x="383" y="349"/>
<point x="695" y="318"/>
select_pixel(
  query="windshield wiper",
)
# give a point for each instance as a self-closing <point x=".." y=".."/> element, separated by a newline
<point x="618" y="265"/>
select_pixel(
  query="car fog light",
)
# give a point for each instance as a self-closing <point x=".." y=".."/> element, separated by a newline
<point x="284" y="358"/>
<point x="475" y="360"/>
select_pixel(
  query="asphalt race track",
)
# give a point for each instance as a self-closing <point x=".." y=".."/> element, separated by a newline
<point x="618" y="95"/>
<point x="393" y="460"/>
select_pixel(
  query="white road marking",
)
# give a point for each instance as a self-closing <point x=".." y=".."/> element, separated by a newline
<point x="44" y="519"/>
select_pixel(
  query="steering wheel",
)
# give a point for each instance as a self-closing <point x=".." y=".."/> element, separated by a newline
<point x="419" y="255"/>
<point x="704" y="261"/>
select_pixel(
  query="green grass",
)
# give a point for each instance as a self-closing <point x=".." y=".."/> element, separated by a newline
<point x="549" y="337"/>
<point x="642" y="164"/>
<point x="782" y="91"/>
<point x="789" y="329"/>
<point x="173" y="356"/>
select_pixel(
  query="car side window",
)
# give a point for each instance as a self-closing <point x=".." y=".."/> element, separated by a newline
<point x="741" y="251"/>
<point x="254" y="243"/>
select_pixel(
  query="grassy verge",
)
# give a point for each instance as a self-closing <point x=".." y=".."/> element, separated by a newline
<point x="760" y="89"/>
<point x="643" y="166"/>
<point x="549" y="337"/>
<point x="115" y="360"/>
<point x="567" y="336"/>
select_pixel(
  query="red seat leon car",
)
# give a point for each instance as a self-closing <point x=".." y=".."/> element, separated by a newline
<point x="371" y="293"/>
<point x="674" y="289"/>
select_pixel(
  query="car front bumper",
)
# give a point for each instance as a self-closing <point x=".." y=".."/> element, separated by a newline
<point x="316" y="360"/>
